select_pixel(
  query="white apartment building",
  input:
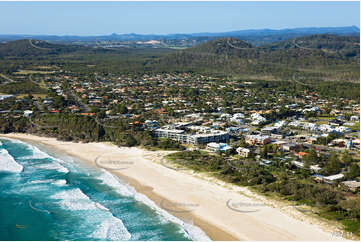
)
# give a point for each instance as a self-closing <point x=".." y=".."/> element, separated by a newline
<point x="180" y="136"/>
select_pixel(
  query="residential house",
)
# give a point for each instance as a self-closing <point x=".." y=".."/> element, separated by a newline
<point x="351" y="185"/>
<point x="289" y="147"/>
<point x="257" y="139"/>
<point x="215" y="147"/>
<point x="243" y="152"/>
<point x="28" y="113"/>
<point x="354" y="118"/>
<point x="333" y="178"/>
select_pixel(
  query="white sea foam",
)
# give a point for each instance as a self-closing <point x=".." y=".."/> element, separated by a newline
<point x="1" y="143"/>
<point x="58" y="182"/>
<point x="101" y="207"/>
<point x="110" y="180"/>
<point x="8" y="163"/>
<point x="74" y="194"/>
<point x="193" y="232"/>
<point x="52" y="166"/>
<point x="75" y="199"/>
<point x="40" y="181"/>
<point x="13" y="140"/>
<point x="111" y="229"/>
<point x="36" y="153"/>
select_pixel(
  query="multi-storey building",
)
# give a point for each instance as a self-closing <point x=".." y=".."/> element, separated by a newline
<point x="180" y="136"/>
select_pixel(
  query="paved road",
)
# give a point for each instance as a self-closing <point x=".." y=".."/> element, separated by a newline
<point x="325" y="147"/>
<point x="301" y="83"/>
<point x="6" y="78"/>
<point x="79" y="101"/>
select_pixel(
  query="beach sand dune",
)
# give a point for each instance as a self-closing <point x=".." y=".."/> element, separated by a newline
<point x="224" y="212"/>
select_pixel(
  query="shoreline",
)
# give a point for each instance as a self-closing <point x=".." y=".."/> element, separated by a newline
<point x="165" y="186"/>
<point x="210" y="230"/>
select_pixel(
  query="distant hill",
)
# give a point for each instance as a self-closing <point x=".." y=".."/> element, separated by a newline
<point x="31" y="47"/>
<point x="347" y="30"/>
<point x="319" y="57"/>
<point x="332" y="43"/>
<point x="254" y="36"/>
<point x="314" y="58"/>
<point x="28" y="47"/>
<point x="22" y="54"/>
<point x="222" y="46"/>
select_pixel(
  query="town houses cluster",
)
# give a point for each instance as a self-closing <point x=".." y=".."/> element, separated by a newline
<point x="211" y="114"/>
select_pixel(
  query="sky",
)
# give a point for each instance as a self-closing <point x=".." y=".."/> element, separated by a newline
<point x="103" y="18"/>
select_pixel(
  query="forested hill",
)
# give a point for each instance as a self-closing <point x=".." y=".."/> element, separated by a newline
<point x="315" y="57"/>
<point x="28" y="47"/>
<point x="222" y="46"/>
<point x="312" y="58"/>
<point x="22" y="48"/>
<point x="346" y="45"/>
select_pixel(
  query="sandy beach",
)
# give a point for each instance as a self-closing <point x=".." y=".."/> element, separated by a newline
<point x="223" y="211"/>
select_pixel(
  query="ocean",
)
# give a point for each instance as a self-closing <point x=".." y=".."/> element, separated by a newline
<point x="44" y="196"/>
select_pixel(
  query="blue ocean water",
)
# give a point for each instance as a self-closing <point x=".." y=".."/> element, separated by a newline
<point x="45" y="197"/>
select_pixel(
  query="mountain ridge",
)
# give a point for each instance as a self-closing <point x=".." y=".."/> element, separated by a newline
<point x="317" y="57"/>
<point x="321" y="57"/>
<point x="254" y="36"/>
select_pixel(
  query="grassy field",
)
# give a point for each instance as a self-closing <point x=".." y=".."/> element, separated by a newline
<point x="19" y="96"/>
<point x="321" y="122"/>
<point x="355" y="127"/>
<point x="46" y="67"/>
<point x="326" y="118"/>
<point x="28" y="72"/>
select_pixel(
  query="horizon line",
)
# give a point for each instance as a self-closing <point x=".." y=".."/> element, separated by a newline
<point x="178" y="33"/>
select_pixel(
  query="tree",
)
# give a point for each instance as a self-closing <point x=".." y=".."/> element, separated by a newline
<point x="121" y="108"/>
<point x="333" y="165"/>
<point x="347" y="158"/>
<point x="263" y="153"/>
<point x="353" y="172"/>
<point x="130" y="141"/>
<point x="307" y="162"/>
<point x="310" y="158"/>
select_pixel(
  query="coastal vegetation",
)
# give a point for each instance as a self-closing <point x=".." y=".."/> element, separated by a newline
<point x="79" y="128"/>
<point x="22" y="87"/>
<point x="284" y="180"/>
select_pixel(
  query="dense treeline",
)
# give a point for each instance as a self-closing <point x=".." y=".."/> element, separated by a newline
<point x="338" y="89"/>
<point x="326" y="89"/>
<point x="26" y="48"/>
<point x="22" y="87"/>
<point x="322" y="61"/>
<point x="347" y="45"/>
<point x="19" y="54"/>
<point x="79" y="128"/>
